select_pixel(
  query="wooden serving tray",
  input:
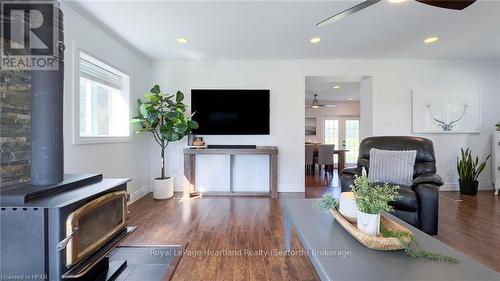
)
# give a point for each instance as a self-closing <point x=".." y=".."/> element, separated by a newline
<point x="374" y="242"/>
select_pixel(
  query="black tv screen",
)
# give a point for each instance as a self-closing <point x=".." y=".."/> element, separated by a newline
<point x="231" y="112"/>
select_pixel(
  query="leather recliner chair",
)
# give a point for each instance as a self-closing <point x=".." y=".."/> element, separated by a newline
<point x="418" y="205"/>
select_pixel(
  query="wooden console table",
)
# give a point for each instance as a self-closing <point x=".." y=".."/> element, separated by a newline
<point x="190" y="165"/>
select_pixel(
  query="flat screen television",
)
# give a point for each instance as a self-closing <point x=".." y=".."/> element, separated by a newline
<point x="231" y="112"/>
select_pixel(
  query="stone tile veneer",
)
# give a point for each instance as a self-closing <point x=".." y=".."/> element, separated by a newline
<point x="15" y="126"/>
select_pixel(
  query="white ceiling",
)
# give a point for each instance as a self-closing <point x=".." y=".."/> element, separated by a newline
<point x="281" y="29"/>
<point x="323" y="86"/>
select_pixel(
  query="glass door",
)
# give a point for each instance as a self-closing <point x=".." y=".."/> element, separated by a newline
<point x="343" y="131"/>
<point x="331" y="134"/>
<point x="351" y="140"/>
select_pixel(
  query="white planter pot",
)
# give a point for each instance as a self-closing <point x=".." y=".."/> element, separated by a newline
<point x="369" y="223"/>
<point x="163" y="188"/>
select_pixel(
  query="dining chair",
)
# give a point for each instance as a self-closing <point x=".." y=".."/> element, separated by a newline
<point x="325" y="157"/>
<point x="310" y="158"/>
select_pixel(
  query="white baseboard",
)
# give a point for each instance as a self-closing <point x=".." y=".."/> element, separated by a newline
<point x="138" y="194"/>
<point x="281" y="188"/>
<point x="454" y="186"/>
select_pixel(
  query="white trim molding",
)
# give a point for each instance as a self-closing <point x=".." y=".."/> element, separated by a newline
<point x="102" y="26"/>
<point x="138" y="194"/>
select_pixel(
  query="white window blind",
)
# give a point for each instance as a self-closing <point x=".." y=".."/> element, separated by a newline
<point x="99" y="74"/>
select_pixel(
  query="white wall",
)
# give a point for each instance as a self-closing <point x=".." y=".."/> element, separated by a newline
<point x="127" y="159"/>
<point x="392" y="82"/>
<point x="341" y="109"/>
<point x="366" y="108"/>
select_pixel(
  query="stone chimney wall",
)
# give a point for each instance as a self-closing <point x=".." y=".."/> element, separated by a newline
<point x="15" y="126"/>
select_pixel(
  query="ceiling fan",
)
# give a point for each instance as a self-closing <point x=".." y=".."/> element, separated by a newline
<point x="315" y="104"/>
<point x="446" y="4"/>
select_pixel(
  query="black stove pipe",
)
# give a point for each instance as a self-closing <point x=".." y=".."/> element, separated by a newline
<point x="47" y="87"/>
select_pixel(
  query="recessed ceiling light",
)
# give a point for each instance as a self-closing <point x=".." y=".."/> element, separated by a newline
<point x="350" y="98"/>
<point x="315" y="40"/>
<point x="336" y="87"/>
<point x="182" y="40"/>
<point x="430" y="40"/>
<point x="397" y="1"/>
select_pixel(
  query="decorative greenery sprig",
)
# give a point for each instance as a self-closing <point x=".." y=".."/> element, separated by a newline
<point x="327" y="202"/>
<point x="372" y="198"/>
<point x="413" y="249"/>
<point x="467" y="168"/>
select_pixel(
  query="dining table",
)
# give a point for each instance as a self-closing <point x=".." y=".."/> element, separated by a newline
<point x="341" y="156"/>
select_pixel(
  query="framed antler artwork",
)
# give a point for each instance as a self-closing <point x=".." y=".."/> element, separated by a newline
<point x="446" y="112"/>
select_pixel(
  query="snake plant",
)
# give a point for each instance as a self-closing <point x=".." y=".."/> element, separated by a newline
<point x="469" y="168"/>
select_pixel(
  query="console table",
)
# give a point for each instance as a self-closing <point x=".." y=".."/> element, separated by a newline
<point x="190" y="165"/>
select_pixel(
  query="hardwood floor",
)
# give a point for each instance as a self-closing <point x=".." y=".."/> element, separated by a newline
<point x="471" y="224"/>
<point x="256" y="223"/>
<point x="221" y="224"/>
<point x="320" y="183"/>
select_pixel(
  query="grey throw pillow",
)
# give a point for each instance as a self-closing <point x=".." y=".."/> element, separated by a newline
<point x="392" y="166"/>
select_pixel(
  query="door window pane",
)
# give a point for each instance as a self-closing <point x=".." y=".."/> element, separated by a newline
<point x="352" y="140"/>
<point x="332" y="135"/>
<point x="331" y="132"/>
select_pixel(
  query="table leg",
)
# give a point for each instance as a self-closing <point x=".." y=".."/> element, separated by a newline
<point x="189" y="175"/>
<point x="288" y="232"/>
<point x="273" y="175"/>
<point x="341" y="164"/>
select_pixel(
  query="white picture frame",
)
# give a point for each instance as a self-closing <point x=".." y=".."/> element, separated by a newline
<point x="446" y="112"/>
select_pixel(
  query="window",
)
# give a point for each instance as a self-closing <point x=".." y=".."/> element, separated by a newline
<point x="103" y="101"/>
<point x="332" y="132"/>
<point x="352" y="140"/>
<point x="331" y="135"/>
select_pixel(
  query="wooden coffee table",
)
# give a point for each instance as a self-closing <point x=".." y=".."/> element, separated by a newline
<point x="336" y="255"/>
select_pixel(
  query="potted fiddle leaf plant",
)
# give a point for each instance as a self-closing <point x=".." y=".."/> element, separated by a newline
<point x="371" y="200"/>
<point x="469" y="170"/>
<point x="164" y="116"/>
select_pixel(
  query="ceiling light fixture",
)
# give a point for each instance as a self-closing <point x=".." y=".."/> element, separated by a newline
<point x="350" y="98"/>
<point x="336" y="87"/>
<point x="315" y="40"/>
<point x="315" y="103"/>
<point x="182" y="40"/>
<point x="430" y="40"/>
<point x="397" y="1"/>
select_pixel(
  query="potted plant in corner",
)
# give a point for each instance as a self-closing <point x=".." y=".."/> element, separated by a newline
<point x="468" y="171"/>
<point x="371" y="200"/>
<point x="164" y="117"/>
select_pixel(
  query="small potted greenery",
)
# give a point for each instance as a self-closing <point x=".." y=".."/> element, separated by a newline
<point x="468" y="171"/>
<point x="164" y="117"/>
<point x="371" y="200"/>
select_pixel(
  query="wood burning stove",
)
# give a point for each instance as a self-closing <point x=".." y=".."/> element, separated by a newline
<point x="92" y="225"/>
<point x="64" y="233"/>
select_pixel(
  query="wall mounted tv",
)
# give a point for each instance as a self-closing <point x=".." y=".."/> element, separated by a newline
<point x="231" y="112"/>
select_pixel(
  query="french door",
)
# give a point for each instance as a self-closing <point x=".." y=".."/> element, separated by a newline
<point x="343" y="131"/>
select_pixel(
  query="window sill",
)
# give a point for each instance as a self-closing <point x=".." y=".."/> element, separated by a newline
<point x="100" y="140"/>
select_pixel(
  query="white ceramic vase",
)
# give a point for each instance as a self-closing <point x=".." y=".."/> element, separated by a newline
<point x="163" y="188"/>
<point x="369" y="223"/>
